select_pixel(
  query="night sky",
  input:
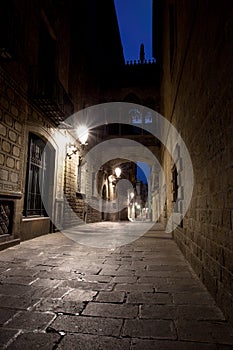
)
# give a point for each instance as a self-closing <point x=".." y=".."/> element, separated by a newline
<point x="135" y="24"/>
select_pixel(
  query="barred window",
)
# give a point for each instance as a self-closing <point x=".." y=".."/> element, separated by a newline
<point x="37" y="164"/>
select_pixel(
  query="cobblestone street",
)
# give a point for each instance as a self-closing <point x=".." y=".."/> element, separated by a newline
<point x="58" y="294"/>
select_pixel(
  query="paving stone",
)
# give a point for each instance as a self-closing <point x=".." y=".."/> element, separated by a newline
<point x="46" y="282"/>
<point x="18" y="303"/>
<point x="161" y="329"/>
<point x="6" y="314"/>
<point x="7" y="289"/>
<point x="110" y="297"/>
<point x="175" y="268"/>
<point x="125" y="279"/>
<point x="56" y="275"/>
<point x="60" y="306"/>
<point x="134" y="287"/>
<point x="173" y="274"/>
<point x="6" y="335"/>
<point x="92" y="342"/>
<point x="196" y="298"/>
<point x="168" y="312"/>
<point x="205" y="331"/>
<point x="111" y="310"/>
<point x="149" y="298"/>
<point x="200" y="313"/>
<point x="88" y="285"/>
<point x="98" y="278"/>
<point x="20" y="272"/>
<point x="151" y="279"/>
<point x="30" y="320"/>
<point x="80" y="295"/>
<point x="29" y="341"/>
<point x="19" y="280"/>
<point x="159" y="299"/>
<point x="140" y="344"/>
<point x="179" y="286"/>
<point x="125" y="272"/>
<point x="56" y="293"/>
<point x="91" y="325"/>
<point x="109" y="270"/>
<point x="182" y="312"/>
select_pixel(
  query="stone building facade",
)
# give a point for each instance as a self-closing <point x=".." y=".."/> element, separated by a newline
<point x="196" y="97"/>
<point x="44" y="79"/>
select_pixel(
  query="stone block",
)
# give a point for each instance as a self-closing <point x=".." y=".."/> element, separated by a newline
<point x="111" y="310"/>
<point x="205" y="331"/>
<point x="2" y="159"/>
<point x="14" y="111"/>
<point x="4" y="174"/>
<point x="12" y="135"/>
<point x="16" y="302"/>
<point x="88" y="325"/>
<point x="14" y="177"/>
<point x="2" y="130"/>
<point x="160" y="329"/>
<point x="110" y="297"/>
<point x="6" y="147"/>
<point x="10" y="162"/>
<point x="18" y="126"/>
<point x="8" y="120"/>
<point x="80" y="295"/>
<point x="39" y="340"/>
<point x="31" y="321"/>
<point x="134" y="287"/>
<point x="91" y="342"/>
<point x="6" y="335"/>
<point x="60" y="306"/>
<point x="6" y="314"/>
<point x="139" y="344"/>
<point x="16" y="151"/>
<point x="149" y="298"/>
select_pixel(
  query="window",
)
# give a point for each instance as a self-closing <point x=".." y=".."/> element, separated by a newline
<point x="36" y="184"/>
<point x="174" y="184"/>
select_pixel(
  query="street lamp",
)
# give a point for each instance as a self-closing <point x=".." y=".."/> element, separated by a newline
<point x="118" y="172"/>
<point x="82" y="132"/>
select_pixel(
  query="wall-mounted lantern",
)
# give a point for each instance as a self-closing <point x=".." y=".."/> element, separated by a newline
<point x="72" y="149"/>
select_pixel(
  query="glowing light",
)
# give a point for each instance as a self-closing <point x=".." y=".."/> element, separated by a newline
<point x="118" y="172"/>
<point x="82" y="132"/>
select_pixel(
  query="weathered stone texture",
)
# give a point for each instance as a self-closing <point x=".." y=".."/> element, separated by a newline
<point x="197" y="91"/>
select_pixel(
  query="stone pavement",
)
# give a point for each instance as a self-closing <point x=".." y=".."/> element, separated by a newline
<point x="57" y="294"/>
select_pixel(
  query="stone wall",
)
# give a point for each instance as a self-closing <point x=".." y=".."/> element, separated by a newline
<point x="197" y="99"/>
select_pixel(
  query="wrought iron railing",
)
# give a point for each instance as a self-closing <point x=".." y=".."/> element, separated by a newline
<point x="49" y="95"/>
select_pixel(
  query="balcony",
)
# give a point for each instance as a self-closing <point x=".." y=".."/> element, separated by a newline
<point x="49" y="95"/>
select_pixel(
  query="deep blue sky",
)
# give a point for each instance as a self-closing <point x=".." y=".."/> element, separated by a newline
<point x="135" y="24"/>
<point x="143" y="172"/>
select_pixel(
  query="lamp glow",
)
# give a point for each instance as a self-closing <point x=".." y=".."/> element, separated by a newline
<point x="82" y="132"/>
<point x="118" y="172"/>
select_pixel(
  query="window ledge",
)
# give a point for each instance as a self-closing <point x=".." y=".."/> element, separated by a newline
<point x="35" y="218"/>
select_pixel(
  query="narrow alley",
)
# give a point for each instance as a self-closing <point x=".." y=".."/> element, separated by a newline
<point x="58" y="294"/>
